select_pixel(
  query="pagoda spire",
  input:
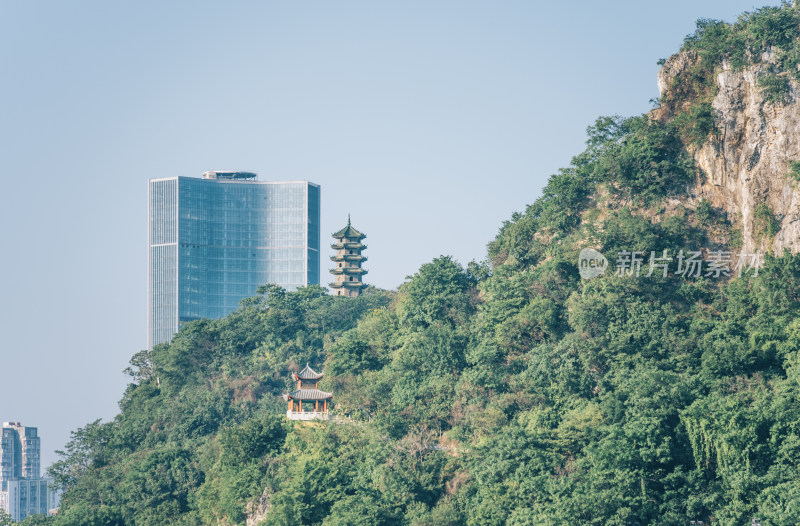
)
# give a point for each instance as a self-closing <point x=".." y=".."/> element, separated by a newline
<point x="348" y="259"/>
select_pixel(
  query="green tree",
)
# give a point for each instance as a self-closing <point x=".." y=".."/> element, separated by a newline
<point x="37" y="520"/>
<point x="437" y="293"/>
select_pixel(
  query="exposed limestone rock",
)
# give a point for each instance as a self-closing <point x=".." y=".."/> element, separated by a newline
<point x="257" y="510"/>
<point x="748" y="162"/>
<point x="673" y="66"/>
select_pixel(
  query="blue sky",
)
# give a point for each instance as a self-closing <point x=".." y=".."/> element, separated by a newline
<point x="429" y="122"/>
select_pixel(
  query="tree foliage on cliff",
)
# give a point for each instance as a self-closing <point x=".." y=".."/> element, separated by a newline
<point x="768" y="34"/>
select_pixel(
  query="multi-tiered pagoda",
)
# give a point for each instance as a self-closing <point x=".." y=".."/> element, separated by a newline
<point x="307" y="402"/>
<point x="348" y="259"/>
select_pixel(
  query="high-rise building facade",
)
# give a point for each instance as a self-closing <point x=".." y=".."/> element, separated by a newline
<point x="23" y="491"/>
<point x="20" y="453"/>
<point x="214" y="240"/>
<point x="25" y="497"/>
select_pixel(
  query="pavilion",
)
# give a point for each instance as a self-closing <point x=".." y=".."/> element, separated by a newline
<point x="307" y="402"/>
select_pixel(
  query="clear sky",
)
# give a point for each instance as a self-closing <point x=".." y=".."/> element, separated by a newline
<point x="429" y="121"/>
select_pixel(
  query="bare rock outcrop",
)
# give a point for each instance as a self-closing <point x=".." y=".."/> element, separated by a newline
<point x="747" y="162"/>
<point x="257" y="510"/>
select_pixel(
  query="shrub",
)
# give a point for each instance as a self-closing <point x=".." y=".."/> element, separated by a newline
<point x="766" y="224"/>
<point x="794" y="170"/>
<point x="775" y="88"/>
<point x="696" y="124"/>
<point x="705" y="212"/>
<point x="649" y="163"/>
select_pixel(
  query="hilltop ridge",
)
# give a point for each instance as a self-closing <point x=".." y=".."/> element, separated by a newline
<point x="514" y="391"/>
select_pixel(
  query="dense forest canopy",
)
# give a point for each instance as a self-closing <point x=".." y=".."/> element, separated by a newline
<point x="505" y="392"/>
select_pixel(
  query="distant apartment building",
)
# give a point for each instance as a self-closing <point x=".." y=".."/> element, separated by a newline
<point x="26" y="497"/>
<point x="23" y="491"/>
<point x="214" y="240"/>
<point x="20" y="452"/>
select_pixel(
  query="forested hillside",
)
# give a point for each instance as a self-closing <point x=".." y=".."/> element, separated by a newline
<point x="506" y="392"/>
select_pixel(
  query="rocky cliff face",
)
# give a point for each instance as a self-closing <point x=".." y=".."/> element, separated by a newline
<point x="257" y="510"/>
<point x="747" y="162"/>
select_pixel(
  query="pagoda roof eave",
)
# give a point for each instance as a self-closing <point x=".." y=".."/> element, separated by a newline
<point x="349" y="257"/>
<point x="348" y="271"/>
<point x="347" y="284"/>
<point x="348" y="232"/>
<point x="308" y="394"/>
<point x="349" y="246"/>
<point x="307" y="374"/>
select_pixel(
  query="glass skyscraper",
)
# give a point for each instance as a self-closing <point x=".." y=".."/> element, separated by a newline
<point x="213" y="241"/>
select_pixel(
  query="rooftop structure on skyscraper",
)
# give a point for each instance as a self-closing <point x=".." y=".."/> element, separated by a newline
<point x="230" y="175"/>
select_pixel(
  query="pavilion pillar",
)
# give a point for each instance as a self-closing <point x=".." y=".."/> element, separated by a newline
<point x="316" y="406"/>
<point x="301" y="405"/>
<point x="325" y="406"/>
<point x="290" y="404"/>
